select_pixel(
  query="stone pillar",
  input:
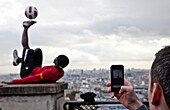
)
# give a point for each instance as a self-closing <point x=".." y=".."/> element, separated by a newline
<point x="32" y="96"/>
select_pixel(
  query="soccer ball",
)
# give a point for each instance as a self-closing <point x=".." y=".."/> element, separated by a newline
<point x="31" y="12"/>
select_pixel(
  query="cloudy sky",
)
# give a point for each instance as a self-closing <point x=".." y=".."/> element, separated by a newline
<point x="92" y="33"/>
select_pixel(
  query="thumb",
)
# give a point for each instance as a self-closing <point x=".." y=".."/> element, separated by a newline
<point x="125" y="89"/>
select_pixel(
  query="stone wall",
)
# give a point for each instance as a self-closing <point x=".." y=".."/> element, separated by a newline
<point x="32" y="96"/>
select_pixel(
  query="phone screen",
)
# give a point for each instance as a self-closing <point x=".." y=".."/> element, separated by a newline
<point x="117" y="77"/>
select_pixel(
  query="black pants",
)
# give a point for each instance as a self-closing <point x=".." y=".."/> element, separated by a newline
<point x="30" y="59"/>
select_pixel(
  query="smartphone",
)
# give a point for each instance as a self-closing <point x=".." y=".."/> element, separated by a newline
<point x="117" y="77"/>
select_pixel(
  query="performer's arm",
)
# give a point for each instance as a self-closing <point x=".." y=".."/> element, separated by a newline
<point x="28" y="80"/>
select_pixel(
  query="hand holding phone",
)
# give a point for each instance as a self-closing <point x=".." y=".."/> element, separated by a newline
<point x="117" y="77"/>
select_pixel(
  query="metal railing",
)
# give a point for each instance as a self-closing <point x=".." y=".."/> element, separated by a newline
<point x="78" y="105"/>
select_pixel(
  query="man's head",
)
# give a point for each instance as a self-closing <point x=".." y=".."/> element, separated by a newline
<point x="88" y="97"/>
<point x="61" y="61"/>
<point x="159" y="80"/>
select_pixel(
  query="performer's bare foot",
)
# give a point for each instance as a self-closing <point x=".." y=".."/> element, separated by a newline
<point x="27" y="24"/>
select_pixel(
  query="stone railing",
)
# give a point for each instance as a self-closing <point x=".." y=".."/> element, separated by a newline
<point x="32" y="96"/>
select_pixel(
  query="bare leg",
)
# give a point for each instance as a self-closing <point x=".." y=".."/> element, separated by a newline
<point x="28" y="54"/>
<point x="26" y="25"/>
<point x="24" y="41"/>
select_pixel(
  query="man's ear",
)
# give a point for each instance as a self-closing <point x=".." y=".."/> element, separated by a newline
<point x="156" y="94"/>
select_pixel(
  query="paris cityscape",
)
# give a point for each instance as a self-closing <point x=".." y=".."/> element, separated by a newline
<point x="82" y="81"/>
<point x="95" y="81"/>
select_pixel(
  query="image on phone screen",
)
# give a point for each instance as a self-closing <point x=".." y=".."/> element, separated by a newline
<point x="117" y="77"/>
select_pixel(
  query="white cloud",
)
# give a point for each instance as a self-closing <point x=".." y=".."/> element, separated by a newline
<point x="94" y="34"/>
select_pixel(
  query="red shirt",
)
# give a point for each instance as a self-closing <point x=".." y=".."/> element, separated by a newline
<point x="46" y="74"/>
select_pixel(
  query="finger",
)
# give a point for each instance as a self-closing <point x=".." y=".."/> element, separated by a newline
<point x="125" y="89"/>
<point x="117" y="95"/>
<point x="127" y="83"/>
<point x="108" y="84"/>
<point x="109" y="90"/>
<point x="112" y="95"/>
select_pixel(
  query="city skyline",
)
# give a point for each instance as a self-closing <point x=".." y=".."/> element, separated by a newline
<point x="93" y="34"/>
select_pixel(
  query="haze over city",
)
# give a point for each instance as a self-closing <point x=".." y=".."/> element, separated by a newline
<point x="92" y="33"/>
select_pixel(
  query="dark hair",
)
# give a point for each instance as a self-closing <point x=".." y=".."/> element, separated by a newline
<point x="160" y="72"/>
<point x="63" y="61"/>
<point x="88" y="97"/>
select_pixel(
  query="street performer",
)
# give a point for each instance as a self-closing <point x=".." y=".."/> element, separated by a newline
<point x="31" y="71"/>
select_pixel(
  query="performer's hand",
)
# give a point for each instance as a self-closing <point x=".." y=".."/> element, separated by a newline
<point x="126" y="96"/>
<point x="4" y="82"/>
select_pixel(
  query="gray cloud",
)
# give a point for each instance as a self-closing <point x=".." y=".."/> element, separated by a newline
<point x="92" y="33"/>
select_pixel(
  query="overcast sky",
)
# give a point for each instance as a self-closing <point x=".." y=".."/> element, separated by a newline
<point x="92" y="33"/>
